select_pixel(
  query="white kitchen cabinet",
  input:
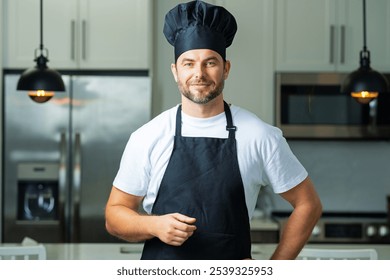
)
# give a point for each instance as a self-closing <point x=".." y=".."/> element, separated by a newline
<point x="79" y="34"/>
<point x="327" y="35"/>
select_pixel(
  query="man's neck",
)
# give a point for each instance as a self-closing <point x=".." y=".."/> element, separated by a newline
<point x="211" y="109"/>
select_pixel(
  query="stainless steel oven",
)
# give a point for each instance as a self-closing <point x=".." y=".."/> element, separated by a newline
<point x="310" y="105"/>
<point x="347" y="228"/>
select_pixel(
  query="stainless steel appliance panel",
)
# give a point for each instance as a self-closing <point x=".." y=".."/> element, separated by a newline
<point x="105" y="111"/>
<point x="32" y="133"/>
<point x="310" y="105"/>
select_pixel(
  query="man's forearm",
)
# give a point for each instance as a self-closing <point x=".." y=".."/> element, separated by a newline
<point x="296" y="232"/>
<point x="128" y="225"/>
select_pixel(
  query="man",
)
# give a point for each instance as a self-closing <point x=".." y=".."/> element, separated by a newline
<point x="198" y="167"/>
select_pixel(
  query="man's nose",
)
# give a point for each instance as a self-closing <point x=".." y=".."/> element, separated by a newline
<point x="199" y="71"/>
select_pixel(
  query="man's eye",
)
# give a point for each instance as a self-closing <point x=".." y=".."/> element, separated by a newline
<point x="210" y="63"/>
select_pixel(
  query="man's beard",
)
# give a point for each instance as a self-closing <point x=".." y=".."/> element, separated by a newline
<point x="204" y="98"/>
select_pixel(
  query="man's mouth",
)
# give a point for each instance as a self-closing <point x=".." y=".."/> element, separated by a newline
<point x="200" y="84"/>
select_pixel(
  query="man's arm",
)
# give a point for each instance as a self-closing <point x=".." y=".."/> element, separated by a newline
<point x="125" y="222"/>
<point x="307" y="210"/>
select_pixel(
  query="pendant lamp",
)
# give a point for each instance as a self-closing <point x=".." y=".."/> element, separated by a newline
<point x="365" y="84"/>
<point x="41" y="82"/>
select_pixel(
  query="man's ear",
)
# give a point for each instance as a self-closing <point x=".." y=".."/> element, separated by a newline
<point x="174" y="71"/>
<point x="226" y="69"/>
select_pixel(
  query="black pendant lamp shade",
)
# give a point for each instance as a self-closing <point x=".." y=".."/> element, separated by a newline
<point x="365" y="84"/>
<point x="41" y="82"/>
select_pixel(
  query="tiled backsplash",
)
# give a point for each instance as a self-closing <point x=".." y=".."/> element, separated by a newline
<point x="350" y="176"/>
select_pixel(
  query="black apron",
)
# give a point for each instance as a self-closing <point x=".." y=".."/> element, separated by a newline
<point x="203" y="180"/>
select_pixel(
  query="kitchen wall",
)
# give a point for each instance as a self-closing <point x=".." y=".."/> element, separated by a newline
<point x="350" y="176"/>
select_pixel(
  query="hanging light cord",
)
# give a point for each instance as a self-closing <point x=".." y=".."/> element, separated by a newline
<point x="364" y="53"/>
<point x="41" y="26"/>
<point x="364" y="27"/>
<point x="41" y="59"/>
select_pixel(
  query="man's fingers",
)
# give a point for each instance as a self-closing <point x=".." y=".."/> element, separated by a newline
<point x="185" y="223"/>
<point x="184" y="218"/>
<point x="175" y="228"/>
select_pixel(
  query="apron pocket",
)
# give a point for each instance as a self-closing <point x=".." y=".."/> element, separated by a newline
<point x="212" y="246"/>
<point x="200" y="246"/>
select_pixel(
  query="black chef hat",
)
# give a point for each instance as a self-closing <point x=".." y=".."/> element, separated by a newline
<point x="198" y="25"/>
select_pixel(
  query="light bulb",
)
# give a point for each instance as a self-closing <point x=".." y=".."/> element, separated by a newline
<point x="364" y="97"/>
<point x="41" y="96"/>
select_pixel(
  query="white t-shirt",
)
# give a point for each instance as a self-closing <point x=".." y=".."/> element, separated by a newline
<point x="264" y="156"/>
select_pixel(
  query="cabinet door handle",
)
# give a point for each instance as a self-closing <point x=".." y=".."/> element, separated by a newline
<point x="84" y="38"/>
<point x="72" y="39"/>
<point x="342" y="45"/>
<point x="331" y="54"/>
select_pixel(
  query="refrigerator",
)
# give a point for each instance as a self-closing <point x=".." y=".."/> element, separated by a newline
<point x="60" y="157"/>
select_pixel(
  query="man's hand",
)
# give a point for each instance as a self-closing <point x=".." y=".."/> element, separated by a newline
<point x="174" y="229"/>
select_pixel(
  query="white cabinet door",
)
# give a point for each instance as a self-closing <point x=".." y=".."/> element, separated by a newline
<point x="79" y="34"/>
<point x="114" y="34"/>
<point x="378" y="33"/>
<point x="21" y="32"/>
<point x="327" y="35"/>
<point x="60" y="33"/>
<point x="304" y="34"/>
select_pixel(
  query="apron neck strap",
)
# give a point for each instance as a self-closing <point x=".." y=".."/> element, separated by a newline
<point x="178" y="121"/>
<point x="229" y="127"/>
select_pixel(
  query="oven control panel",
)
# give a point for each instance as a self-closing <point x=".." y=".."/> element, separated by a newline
<point x="350" y="231"/>
<point x="377" y="231"/>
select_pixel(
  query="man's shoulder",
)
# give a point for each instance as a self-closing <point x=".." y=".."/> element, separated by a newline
<point x="251" y="123"/>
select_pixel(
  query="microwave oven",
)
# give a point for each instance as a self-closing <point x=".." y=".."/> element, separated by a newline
<point x="311" y="105"/>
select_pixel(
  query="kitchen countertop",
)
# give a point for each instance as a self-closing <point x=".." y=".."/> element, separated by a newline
<point x="263" y="224"/>
<point x="132" y="251"/>
<point x="114" y="251"/>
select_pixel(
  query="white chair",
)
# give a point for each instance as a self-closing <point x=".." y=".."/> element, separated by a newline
<point x="17" y="252"/>
<point x="337" y="254"/>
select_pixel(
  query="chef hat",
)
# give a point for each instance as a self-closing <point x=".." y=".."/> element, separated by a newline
<point x="198" y="25"/>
